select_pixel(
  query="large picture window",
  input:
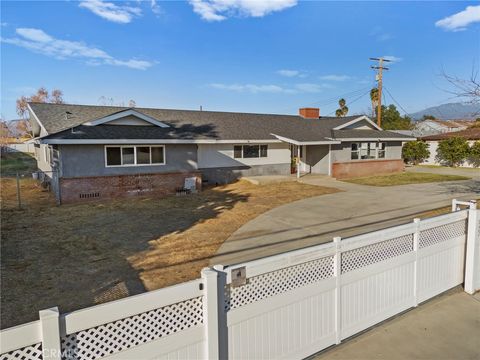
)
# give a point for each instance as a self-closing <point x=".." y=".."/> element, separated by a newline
<point x="250" y="151"/>
<point x="130" y="155"/>
<point x="368" y="150"/>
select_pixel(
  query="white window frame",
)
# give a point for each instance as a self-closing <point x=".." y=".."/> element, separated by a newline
<point x="359" y="147"/>
<point x="259" y="151"/>
<point x="135" y="155"/>
<point x="384" y="150"/>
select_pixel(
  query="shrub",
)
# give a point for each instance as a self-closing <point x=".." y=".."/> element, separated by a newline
<point x="474" y="156"/>
<point x="415" y="152"/>
<point x="453" y="151"/>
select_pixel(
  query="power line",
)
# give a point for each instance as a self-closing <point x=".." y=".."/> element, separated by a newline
<point x="351" y="102"/>
<point x="396" y="102"/>
<point x="332" y="99"/>
<point x="335" y="98"/>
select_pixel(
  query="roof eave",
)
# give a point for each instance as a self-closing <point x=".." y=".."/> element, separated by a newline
<point x="298" y="142"/>
<point x="152" y="141"/>
<point x="377" y="139"/>
<point x="36" y="118"/>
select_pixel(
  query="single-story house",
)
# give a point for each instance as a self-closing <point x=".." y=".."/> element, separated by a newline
<point x="435" y="126"/>
<point x="471" y="135"/>
<point x="105" y="151"/>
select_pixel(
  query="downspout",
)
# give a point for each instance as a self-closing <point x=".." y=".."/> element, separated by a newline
<point x="329" y="159"/>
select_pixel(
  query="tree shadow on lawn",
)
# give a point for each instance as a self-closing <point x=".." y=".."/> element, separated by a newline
<point x="74" y="256"/>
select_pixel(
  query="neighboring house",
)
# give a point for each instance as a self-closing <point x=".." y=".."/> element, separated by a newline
<point x="434" y="126"/>
<point x="105" y="151"/>
<point x="470" y="134"/>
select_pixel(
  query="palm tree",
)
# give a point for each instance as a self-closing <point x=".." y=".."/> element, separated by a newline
<point x="374" y="99"/>
<point x="343" y="110"/>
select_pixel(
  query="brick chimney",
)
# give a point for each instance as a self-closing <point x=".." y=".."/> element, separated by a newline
<point x="309" y="113"/>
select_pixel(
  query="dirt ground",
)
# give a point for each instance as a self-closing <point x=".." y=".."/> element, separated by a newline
<point x="74" y="256"/>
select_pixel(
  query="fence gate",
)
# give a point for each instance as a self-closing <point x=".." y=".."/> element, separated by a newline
<point x="296" y="304"/>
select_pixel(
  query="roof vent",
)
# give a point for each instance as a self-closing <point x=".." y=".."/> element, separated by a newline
<point x="309" y="113"/>
<point x="67" y="113"/>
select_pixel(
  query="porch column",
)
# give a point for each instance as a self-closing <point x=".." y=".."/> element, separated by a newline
<point x="298" y="161"/>
<point x="329" y="159"/>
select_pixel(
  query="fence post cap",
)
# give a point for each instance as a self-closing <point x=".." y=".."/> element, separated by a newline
<point x="49" y="313"/>
<point x="208" y="272"/>
<point x="473" y="204"/>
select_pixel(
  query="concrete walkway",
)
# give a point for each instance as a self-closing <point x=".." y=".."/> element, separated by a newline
<point x="446" y="327"/>
<point x="358" y="209"/>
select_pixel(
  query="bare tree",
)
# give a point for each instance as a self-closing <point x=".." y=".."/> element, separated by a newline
<point x="465" y="89"/>
<point x="110" y="101"/>
<point x="57" y="97"/>
<point x="105" y="101"/>
<point x="41" y="96"/>
<point x="20" y="129"/>
<point x="4" y="136"/>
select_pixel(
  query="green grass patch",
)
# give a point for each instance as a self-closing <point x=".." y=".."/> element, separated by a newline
<point x="446" y="167"/>
<point x="11" y="163"/>
<point x="404" y="179"/>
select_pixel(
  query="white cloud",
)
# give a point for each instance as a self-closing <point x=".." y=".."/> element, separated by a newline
<point x="460" y="21"/>
<point x="156" y="9"/>
<point x="218" y="10"/>
<point x="34" y="35"/>
<point x="252" y="88"/>
<point x="379" y="34"/>
<point x="116" y="13"/>
<point x="40" y="42"/>
<point x="288" y="73"/>
<point x="392" y="58"/>
<point x="334" y="77"/>
<point x="309" y="88"/>
<point x="269" y="88"/>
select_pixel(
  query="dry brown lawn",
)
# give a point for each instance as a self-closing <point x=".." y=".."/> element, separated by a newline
<point x="74" y="256"/>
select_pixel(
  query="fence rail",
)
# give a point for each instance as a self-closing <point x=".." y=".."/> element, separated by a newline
<point x="290" y="305"/>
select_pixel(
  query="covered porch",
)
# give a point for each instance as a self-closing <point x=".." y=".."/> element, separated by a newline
<point x="310" y="157"/>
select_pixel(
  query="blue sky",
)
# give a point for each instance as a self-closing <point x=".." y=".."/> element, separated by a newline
<point x="252" y="56"/>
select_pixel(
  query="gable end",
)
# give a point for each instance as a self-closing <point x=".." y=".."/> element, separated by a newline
<point x="127" y="117"/>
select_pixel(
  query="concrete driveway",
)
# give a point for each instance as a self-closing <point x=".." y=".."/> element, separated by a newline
<point x="356" y="210"/>
<point x="446" y="327"/>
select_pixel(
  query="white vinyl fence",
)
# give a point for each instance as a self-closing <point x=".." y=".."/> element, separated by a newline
<point x="21" y="147"/>
<point x="290" y="305"/>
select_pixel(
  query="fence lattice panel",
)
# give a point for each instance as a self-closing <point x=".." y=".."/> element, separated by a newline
<point x="123" y="334"/>
<point x="277" y="282"/>
<point x="32" y="352"/>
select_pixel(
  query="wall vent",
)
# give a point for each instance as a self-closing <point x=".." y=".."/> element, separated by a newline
<point x="90" y="195"/>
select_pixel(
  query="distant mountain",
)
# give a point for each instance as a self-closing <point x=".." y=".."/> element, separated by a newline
<point x="450" y="111"/>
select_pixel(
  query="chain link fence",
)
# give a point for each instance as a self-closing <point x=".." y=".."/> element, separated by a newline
<point x="23" y="188"/>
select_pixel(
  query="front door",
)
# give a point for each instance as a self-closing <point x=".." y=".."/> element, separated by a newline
<point x="295" y="161"/>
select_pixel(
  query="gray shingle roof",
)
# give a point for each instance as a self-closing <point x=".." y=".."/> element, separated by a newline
<point x="183" y="124"/>
<point x="367" y="134"/>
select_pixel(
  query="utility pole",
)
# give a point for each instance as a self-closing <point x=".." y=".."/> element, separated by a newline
<point x="379" y="78"/>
